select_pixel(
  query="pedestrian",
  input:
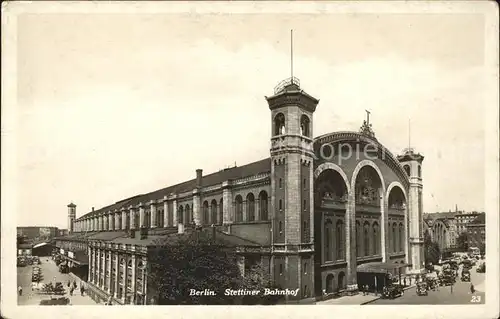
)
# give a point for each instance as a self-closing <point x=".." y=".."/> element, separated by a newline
<point x="74" y="284"/>
<point x="472" y="290"/>
<point x="20" y="290"/>
<point x="69" y="283"/>
<point x="81" y="290"/>
<point x="71" y="291"/>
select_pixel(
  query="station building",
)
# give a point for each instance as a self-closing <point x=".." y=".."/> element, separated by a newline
<point x="316" y="212"/>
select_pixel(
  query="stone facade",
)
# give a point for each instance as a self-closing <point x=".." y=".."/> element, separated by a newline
<point x="310" y="217"/>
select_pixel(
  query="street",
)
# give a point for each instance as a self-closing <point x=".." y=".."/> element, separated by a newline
<point x="50" y="273"/>
<point x="459" y="294"/>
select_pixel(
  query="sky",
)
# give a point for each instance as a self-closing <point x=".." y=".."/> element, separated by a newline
<point x="114" y="105"/>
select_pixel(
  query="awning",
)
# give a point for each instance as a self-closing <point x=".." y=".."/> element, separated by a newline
<point x="380" y="267"/>
<point x="40" y="245"/>
<point x="79" y="262"/>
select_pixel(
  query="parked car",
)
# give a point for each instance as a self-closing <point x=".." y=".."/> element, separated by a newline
<point x="481" y="268"/>
<point x="465" y="276"/>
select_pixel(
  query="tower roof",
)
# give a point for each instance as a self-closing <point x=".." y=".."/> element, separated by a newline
<point x="410" y="155"/>
<point x="288" y="92"/>
<point x="71" y="205"/>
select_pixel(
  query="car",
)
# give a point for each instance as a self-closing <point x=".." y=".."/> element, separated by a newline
<point x="481" y="268"/>
<point x="465" y="276"/>
<point x="422" y="289"/>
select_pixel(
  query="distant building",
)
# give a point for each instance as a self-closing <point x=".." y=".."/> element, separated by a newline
<point x="35" y="233"/>
<point x="476" y="232"/>
<point x="62" y="232"/>
<point x="24" y="249"/>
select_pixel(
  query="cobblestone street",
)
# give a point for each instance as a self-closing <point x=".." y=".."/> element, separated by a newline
<point x="50" y="273"/>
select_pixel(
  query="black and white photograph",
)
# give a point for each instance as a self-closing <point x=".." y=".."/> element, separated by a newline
<point x="250" y="154"/>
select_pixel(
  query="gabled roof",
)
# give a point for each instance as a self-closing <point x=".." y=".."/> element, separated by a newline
<point x="262" y="166"/>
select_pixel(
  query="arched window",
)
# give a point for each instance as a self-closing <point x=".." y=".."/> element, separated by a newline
<point x="263" y="205"/>
<point x="407" y="169"/>
<point x="394" y="238"/>
<point x="251" y="207"/>
<point x="213" y="211"/>
<point x="376" y="241"/>
<point x="280" y="205"/>
<point x="221" y="211"/>
<point x="206" y="217"/>
<point x="280" y="183"/>
<point x="358" y="239"/>
<point x="366" y="237"/>
<point x="340" y="232"/>
<point x="180" y="214"/>
<point x="304" y="125"/>
<point x="401" y="237"/>
<point x="280" y="229"/>
<point x="329" y="283"/>
<point x="328" y="240"/>
<point x="239" y="208"/>
<point x="279" y="124"/>
<point x="127" y="220"/>
<point x="159" y="217"/>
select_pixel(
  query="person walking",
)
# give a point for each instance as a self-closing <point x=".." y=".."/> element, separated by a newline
<point x="20" y="290"/>
<point x="82" y="290"/>
<point x="69" y="283"/>
<point x="472" y="290"/>
<point x="71" y="291"/>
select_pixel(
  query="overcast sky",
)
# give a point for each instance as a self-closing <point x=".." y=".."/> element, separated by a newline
<point x="114" y="105"/>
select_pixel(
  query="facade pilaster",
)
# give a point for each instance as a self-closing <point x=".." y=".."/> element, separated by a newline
<point x="133" y="224"/>
<point x="174" y="213"/>
<point x="197" y="207"/>
<point x="134" y="271"/>
<point x="166" y="222"/>
<point x="153" y="216"/>
<point x="227" y="202"/>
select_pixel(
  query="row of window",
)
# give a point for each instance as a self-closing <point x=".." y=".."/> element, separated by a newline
<point x="251" y="207"/>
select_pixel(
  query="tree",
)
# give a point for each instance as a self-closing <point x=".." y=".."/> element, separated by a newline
<point x="431" y="250"/>
<point x="193" y="263"/>
<point x="463" y="241"/>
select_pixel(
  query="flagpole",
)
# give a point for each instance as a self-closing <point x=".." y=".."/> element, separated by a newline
<point x="291" y="53"/>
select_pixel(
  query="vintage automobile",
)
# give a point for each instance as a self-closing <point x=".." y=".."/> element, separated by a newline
<point x="465" y="275"/>
<point x="447" y="280"/>
<point x="422" y="289"/>
<point x="392" y="291"/>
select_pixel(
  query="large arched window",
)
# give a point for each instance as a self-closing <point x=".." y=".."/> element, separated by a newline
<point x="304" y="125"/>
<point x="401" y="237"/>
<point x="160" y="217"/>
<point x="251" y="207"/>
<point x="279" y="124"/>
<point x="394" y="239"/>
<point x="340" y="233"/>
<point x="358" y="239"/>
<point x="366" y="237"/>
<point x="221" y="211"/>
<point x="127" y="220"/>
<point x="206" y="217"/>
<point x="180" y="214"/>
<point x="263" y="205"/>
<point x="213" y="211"/>
<point x="239" y="208"/>
<point x="376" y="240"/>
<point x="328" y="240"/>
